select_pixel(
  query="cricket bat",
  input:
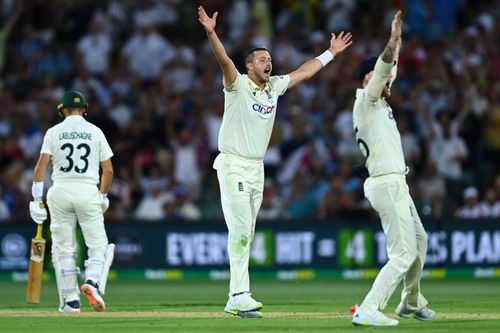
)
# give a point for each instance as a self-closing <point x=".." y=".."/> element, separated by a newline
<point x="36" y="267"/>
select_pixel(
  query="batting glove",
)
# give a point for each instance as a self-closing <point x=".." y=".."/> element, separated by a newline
<point x="105" y="202"/>
<point x="38" y="211"/>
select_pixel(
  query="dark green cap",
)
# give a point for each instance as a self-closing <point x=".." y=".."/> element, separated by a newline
<point x="72" y="99"/>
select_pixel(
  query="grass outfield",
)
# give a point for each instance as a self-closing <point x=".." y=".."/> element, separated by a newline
<point x="289" y="306"/>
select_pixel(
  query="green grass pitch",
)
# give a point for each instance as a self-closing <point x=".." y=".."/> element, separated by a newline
<point x="289" y="306"/>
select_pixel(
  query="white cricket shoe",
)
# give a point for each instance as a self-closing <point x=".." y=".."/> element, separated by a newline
<point x="71" y="307"/>
<point x="242" y="303"/>
<point x="424" y="314"/>
<point x="91" y="291"/>
<point x="362" y="319"/>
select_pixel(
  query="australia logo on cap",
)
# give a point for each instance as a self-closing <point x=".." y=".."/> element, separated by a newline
<point x="76" y="99"/>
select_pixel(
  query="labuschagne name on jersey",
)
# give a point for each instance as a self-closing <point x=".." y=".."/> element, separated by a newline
<point x="75" y="135"/>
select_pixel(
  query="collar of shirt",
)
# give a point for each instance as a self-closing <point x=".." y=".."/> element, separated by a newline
<point x="74" y="117"/>
<point x="254" y="87"/>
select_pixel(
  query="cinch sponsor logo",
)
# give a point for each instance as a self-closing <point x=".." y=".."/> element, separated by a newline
<point x="263" y="109"/>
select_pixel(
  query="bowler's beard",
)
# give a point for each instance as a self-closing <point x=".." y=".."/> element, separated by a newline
<point x="263" y="77"/>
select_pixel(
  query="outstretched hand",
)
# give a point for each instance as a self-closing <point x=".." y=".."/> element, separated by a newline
<point x="340" y="43"/>
<point x="396" y="25"/>
<point x="206" y="21"/>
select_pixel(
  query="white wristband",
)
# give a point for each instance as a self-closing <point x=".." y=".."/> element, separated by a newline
<point x="325" y="57"/>
<point x="37" y="190"/>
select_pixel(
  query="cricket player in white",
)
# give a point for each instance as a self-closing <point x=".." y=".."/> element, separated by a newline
<point x="388" y="193"/>
<point x="249" y="113"/>
<point x="77" y="149"/>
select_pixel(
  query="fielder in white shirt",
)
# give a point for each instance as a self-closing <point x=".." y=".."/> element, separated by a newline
<point x="386" y="189"/>
<point x="249" y="113"/>
<point x="77" y="149"/>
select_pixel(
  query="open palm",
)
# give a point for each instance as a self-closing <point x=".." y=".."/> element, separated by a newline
<point x="341" y="42"/>
<point x="206" y="21"/>
<point x="396" y="25"/>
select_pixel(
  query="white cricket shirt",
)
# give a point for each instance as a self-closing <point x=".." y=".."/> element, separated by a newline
<point x="249" y="114"/>
<point x="77" y="147"/>
<point x="376" y="132"/>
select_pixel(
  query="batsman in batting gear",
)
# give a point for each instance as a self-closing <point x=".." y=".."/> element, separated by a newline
<point x="386" y="189"/>
<point x="249" y="112"/>
<point x="77" y="149"/>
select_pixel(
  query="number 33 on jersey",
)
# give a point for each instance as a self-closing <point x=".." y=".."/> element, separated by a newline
<point x="76" y="147"/>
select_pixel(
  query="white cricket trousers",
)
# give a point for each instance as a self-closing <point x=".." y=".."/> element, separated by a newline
<point x="406" y="243"/>
<point x="70" y="203"/>
<point x="241" y="184"/>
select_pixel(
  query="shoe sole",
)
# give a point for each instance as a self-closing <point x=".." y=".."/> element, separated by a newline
<point x="423" y="318"/>
<point x="405" y="315"/>
<point x="357" y="322"/>
<point x="89" y="294"/>
<point x="70" y="311"/>
<point x="372" y="325"/>
<point x="234" y="310"/>
<point x="410" y="315"/>
<point x="246" y="314"/>
<point x="367" y="323"/>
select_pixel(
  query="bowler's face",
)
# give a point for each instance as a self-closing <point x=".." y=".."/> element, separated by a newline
<point x="262" y="65"/>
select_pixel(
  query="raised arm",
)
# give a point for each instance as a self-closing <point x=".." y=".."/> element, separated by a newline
<point x="394" y="70"/>
<point x="227" y="66"/>
<point x="311" y="67"/>
<point x="391" y="51"/>
<point x="384" y="72"/>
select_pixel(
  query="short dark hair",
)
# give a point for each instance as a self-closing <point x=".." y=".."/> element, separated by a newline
<point x="251" y="53"/>
<point x="365" y="67"/>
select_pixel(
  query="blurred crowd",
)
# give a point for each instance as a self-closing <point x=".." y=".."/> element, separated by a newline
<point x="155" y="89"/>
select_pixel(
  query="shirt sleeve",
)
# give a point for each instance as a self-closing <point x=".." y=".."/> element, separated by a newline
<point x="394" y="73"/>
<point x="237" y="84"/>
<point x="46" y="145"/>
<point x="105" y="152"/>
<point x="379" y="78"/>
<point x="280" y="83"/>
